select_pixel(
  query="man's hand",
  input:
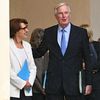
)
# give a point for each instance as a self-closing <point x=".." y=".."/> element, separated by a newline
<point x="88" y="89"/>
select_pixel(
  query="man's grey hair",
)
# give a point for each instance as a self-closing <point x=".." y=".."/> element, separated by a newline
<point x="59" y="5"/>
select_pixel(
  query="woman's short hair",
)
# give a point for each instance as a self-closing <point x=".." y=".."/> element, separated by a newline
<point x="36" y="37"/>
<point x="15" y="25"/>
<point x="89" y="30"/>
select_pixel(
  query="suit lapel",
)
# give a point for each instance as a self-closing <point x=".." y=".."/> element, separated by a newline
<point x="27" y="52"/>
<point x="14" y="51"/>
<point x="56" y="45"/>
<point x="56" y="48"/>
<point x="71" y="40"/>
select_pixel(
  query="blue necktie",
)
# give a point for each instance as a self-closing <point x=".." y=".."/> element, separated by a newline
<point x="63" y="42"/>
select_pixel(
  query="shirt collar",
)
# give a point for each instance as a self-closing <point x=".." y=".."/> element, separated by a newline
<point x="67" y="28"/>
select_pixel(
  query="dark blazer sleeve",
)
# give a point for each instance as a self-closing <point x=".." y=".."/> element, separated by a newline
<point x="97" y="48"/>
<point x="86" y="53"/>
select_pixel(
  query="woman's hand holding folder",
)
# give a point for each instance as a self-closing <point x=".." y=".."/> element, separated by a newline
<point x="27" y="84"/>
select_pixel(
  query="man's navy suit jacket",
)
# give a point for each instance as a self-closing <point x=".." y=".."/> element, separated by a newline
<point x="62" y="73"/>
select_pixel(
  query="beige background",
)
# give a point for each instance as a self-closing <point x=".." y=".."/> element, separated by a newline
<point x="40" y="13"/>
<point x="4" y="50"/>
<point x="95" y="17"/>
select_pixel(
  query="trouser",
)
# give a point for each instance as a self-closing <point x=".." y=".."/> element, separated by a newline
<point x="96" y="94"/>
<point x="38" y="96"/>
<point x="64" y="97"/>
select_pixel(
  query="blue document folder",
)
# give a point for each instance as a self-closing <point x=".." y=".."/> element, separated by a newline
<point x="24" y="72"/>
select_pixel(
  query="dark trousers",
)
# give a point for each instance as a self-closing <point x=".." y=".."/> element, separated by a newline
<point x="63" y="97"/>
<point x="96" y="94"/>
<point x="89" y="97"/>
<point x="38" y="96"/>
<point x="22" y="97"/>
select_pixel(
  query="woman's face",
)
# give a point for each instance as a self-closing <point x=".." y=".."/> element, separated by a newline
<point x="23" y="32"/>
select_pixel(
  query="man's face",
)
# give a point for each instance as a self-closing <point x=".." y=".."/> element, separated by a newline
<point x="63" y="16"/>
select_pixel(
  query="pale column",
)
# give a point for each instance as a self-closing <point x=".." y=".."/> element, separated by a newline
<point x="95" y="18"/>
<point x="4" y="50"/>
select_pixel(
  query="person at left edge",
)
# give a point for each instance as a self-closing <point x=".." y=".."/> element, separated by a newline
<point x="20" y="51"/>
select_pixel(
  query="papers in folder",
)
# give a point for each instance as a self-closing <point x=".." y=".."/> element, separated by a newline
<point x="28" y="91"/>
<point x="44" y="80"/>
<point x="24" y="72"/>
<point x="80" y="81"/>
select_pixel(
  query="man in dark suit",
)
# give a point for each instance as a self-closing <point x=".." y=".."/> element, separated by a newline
<point x="95" y="63"/>
<point x="96" y="73"/>
<point x="64" y="65"/>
